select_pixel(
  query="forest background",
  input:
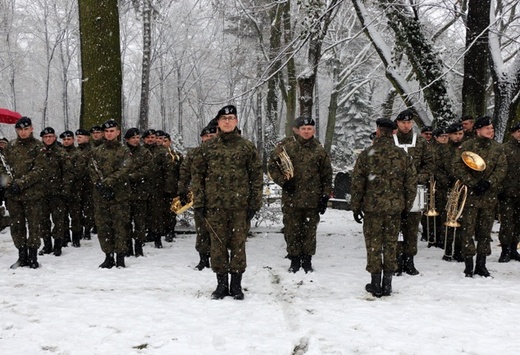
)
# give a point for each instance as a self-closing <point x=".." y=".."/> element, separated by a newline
<point x="171" y="64"/>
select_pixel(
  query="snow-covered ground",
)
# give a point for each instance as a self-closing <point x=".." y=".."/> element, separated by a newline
<point x="160" y="305"/>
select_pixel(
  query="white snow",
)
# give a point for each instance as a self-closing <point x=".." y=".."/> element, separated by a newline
<point x="160" y="305"/>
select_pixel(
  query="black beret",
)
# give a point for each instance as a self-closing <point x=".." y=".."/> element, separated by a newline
<point x="110" y="124"/>
<point x="439" y="131"/>
<point x="23" y="122"/>
<point x="82" y="132"/>
<point x="148" y="132"/>
<point x="67" y="134"/>
<point x="406" y="115"/>
<point x="372" y="135"/>
<point x="466" y="118"/>
<point x="132" y="132"/>
<point x="96" y="129"/>
<point x="304" y="121"/>
<point x="160" y="133"/>
<point x="454" y="127"/>
<point x="515" y="128"/>
<point x="426" y="129"/>
<point x="3" y="139"/>
<point x="482" y="122"/>
<point x="227" y="110"/>
<point x="47" y="130"/>
<point x="385" y="122"/>
<point x="167" y="136"/>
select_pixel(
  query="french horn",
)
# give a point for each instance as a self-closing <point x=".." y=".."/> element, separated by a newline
<point x="178" y="208"/>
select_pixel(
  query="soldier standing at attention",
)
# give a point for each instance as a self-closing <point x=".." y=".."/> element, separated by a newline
<point x="84" y="184"/>
<point x="417" y="147"/>
<point x="384" y="185"/>
<point x="483" y="186"/>
<point x="138" y="177"/>
<point x="468" y="124"/>
<point x="96" y="132"/>
<point x="109" y="167"/>
<point x="509" y="200"/>
<point x="203" y="241"/>
<point x="227" y="184"/>
<point x="305" y="195"/>
<point x="170" y="219"/>
<point x="25" y="191"/>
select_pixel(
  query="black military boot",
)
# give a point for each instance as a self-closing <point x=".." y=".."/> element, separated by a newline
<point x="22" y="259"/>
<point x="138" y="248"/>
<point x="480" y="266"/>
<point x="75" y="239"/>
<point x="235" y="288"/>
<point x="514" y="252"/>
<point x="409" y="267"/>
<point x="157" y="241"/>
<point x="222" y="289"/>
<point x="468" y="271"/>
<point x="295" y="263"/>
<point x="387" y="283"/>
<point x="47" y="246"/>
<point x="33" y="258"/>
<point x="120" y="260"/>
<point x="109" y="261"/>
<point x="203" y="263"/>
<point x="86" y="233"/>
<point x="66" y="239"/>
<point x="94" y="230"/>
<point x="130" y="247"/>
<point x="169" y="236"/>
<point x="57" y="247"/>
<point x="400" y="265"/>
<point x="374" y="287"/>
<point x="505" y="255"/>
<point x="307" y="264"/>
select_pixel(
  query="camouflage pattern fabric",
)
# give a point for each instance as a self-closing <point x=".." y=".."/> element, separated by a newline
<point x="380" y="231"/>
<point x="300" y="225"/>
<point x="86" y="203"/>
<point x="509" y="198"/>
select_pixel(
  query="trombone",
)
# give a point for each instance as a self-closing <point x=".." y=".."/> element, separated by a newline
<point x="431" y="212"/>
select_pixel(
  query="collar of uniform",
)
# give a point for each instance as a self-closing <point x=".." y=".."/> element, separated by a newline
<point x="112" y="144"/>
<point x="482" y="142"/>
<point x="405" y="137"/>
<point x="304" y="142"/>
<point x="27" y="140"/>
<point x="227" y="136"/>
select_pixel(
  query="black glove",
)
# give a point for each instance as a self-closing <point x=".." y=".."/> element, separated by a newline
<point x="183" y="198"/>
<point x="481" y="187"/>
<point x="289" y="186"/>
<point x="250" y="214"/>
<point x="322" y="205"/>
<point x="15" y="189"/>
<point x="168" y="196"/>
<point x="200" y="211"/>
<point x="106" y="192"/>
<point x="358" y="216"/>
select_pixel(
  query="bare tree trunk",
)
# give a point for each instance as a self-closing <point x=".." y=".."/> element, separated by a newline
<point x="145" y="69"/>
<point x="275" y="18"/>
<point x="292" y="83"/>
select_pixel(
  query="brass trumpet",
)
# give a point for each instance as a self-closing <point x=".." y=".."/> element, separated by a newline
<point x="431" y="212"/>
<point x="285" y="164"/>
<point x="177" y="207"/>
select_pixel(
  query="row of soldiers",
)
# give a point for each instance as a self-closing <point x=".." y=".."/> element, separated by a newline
<point x="122" y="192"/>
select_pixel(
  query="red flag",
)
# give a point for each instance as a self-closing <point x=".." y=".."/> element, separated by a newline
<point x="7" y="116"/>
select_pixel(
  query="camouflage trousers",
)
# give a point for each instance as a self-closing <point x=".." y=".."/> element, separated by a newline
<point x="86" y="206"/>
<point x="409" y="227"/>
<point x="228" y="232"/>
<point x="73" y="211"/>
<point x="25" y="215"/>
<point x="112" y="222"/>
<point x="300" y="226"/>
<point x="155" y="218"/>
<point x="203" y="241"/>
<point x="475" y="225"/>
<point x="381" y="233"/>
<point x="509" y="210"/>
<point x="137" y="220"/>
<point x="53" y="207"/>
<point x="169" y="218"/>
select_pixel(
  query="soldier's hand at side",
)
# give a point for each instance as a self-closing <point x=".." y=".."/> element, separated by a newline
<point x="15" y="189"/>
<point x="481" y="187"/>
<point x="289" y="186"/>
<point x="322" y="205"/>
<point x="358" y="216"/>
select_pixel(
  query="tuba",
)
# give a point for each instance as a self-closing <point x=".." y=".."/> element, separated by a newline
<point x="285" y="164"/>
<point x="178" y="208"/>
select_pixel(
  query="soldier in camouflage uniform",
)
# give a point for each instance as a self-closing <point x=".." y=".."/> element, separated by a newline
<point x="170" y="219"/>
<point x="109" y="167"/>
<point x="305" y="195"/>
<point x="26" y="176"/>
<point x="84" y="184"/>
<point x="384" y="185"/>
<point x="203" y="240"/>
<point x="468" y="123"/>
<point x="58" y="168"/>
<point x="96" y="133"/>
<point x="227" y="183"/>
<point x="417" y="147"/>
<point x="138" y="177"/>
<point x="483" y="186"/>
<point x="509" y="200"/>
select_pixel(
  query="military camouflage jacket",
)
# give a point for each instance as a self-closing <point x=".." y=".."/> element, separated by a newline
<point x="59" y="171"/>
<point x="312" y="172"/>
<point x="27" y="162"/>
<point x="384" y="179"/>
<point x="511" y="185"/>
<point x="162" y="179"/>
<point x="81" y="162"/>
<point x="185" y="171"/>
<point x="140" y="172"/>
<point x="227" y="174"/>
<point x="110" y="164"/>
<point x="496" y="168"/>
<point x="421" y="154"/>
<point x="444" y="165"/>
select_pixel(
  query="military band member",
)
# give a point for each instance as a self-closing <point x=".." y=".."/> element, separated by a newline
<point x="25" y="191"/>
<point x="468" y="123"/>
<point x="417" y="147"/>
<point x="227" y="184"/>
<point x="170" y="219"/>
<point x="483" y="186"/>
<point x="81" y="163"/>
<point x="96" y="133"/>
<point x="109" y="167"/>
<point x="384" y="185"/>
<point x="509" y="200"/>
<point x="426" y="133"/>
